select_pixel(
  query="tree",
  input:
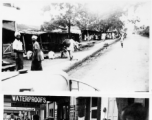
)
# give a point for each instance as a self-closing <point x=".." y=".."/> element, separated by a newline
<point x="65" y="18"/>
<point x="77" y="14"/>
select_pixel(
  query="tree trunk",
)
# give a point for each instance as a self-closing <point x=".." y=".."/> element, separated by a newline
<point x="69" y="28"/>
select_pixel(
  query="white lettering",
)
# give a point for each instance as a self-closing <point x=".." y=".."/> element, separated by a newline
<point x="29" y="99"/>
<point x="13" y="98"/>
<point x="44" y="100"/>
<point x="23" y="98"/>
<point x="36" y="99"/>
<point x="40" y="99"/>
<point x="32" y="99"/>
<point x="17" y="98"/>
<point x="20" y="98"/>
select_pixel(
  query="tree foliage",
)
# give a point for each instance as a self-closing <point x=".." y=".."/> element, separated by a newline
<point x="76" y="14"/>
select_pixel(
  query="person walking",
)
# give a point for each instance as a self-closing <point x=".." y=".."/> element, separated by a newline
<point x="37" y="55"/>
<point x="70" y="44"/>
<point x="18" y="49"/>
<point x="122" y="39"/>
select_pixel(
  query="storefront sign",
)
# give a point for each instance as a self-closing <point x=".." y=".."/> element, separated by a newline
<point x="27" y="105"/>
<point x="28" y="99"/>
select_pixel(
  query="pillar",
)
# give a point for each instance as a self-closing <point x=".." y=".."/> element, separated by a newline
<point x="47" y="109"/>
<point x="88" y="100"/>
<point x="99" y="109"/>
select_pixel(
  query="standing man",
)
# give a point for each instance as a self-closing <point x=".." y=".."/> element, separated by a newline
<point x="37" y="56"/>
<point x="18" y="49"/>
<point x="71" y="47"/>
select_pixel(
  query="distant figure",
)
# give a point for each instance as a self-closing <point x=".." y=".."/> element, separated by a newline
<point x="103" y="36"/>
<point x="96" y="37"/>
<point x="125" y="35"/>
<point x="113" y="35"/>
<point x="29" y="55"/>
<point x="106" y="45"/>
<point x="122" y="39"/>
<point x="37" y="56"/>
<point x="51" y="55"/>
<point x="18" y="49"/>
<point x="135" y="111"/>
<point x="85" y="37"/>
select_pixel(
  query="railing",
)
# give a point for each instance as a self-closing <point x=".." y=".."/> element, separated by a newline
<point x="7" y="48"/>
<point x="78" y="85"/>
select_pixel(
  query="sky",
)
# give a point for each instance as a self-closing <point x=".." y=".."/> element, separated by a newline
<point x="31" y="12"/>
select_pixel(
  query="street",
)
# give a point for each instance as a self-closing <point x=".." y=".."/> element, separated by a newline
<point x="76" y="60"/>
<point x="118" y="69"/>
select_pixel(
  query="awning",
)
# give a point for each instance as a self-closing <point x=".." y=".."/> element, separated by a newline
<point x="32" y="32"/>
<point x="75" y="31"/>
<point x="9" y="25"/>
<point x="18" y="109"/>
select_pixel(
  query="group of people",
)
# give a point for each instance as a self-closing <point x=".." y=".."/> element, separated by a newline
<point x="16" y="117"/>
<point x="37" y="55"/>
<point x="25" y="117"/>
<point x="102" y="36"/>
<point x="68" y="47"/>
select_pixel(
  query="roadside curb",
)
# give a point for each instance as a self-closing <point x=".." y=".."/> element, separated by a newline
<point x="72" y="66"/>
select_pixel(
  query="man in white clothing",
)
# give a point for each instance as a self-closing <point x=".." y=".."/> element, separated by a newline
<point x="70" y="49"/>
<point x="18" y="49"/>
<point x="70" y="45"/>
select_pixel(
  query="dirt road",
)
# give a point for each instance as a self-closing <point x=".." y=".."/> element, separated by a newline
<point x="118" y="69"/>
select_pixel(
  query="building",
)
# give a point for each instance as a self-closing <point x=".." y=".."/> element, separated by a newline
<point x="68" y="108"/>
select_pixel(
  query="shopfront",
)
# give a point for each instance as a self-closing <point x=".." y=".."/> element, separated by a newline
<point x="45" y="107"/>
<point x="88" y="108"/>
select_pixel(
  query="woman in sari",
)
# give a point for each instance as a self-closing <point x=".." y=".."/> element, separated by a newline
<point x="37" y="55"/>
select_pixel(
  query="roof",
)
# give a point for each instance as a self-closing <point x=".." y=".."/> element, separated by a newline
<point x="28" y="29"/>
<point x="74" y="29"/>
<point x="23" y="27"/>
<point x="9" y="25"/>
<point x="32" y="32"/>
